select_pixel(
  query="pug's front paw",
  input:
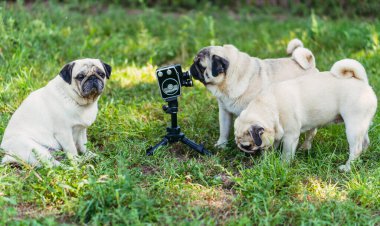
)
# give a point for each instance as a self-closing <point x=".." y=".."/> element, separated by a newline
<point x="344" y="168"/>
<point x="221" y="144"/>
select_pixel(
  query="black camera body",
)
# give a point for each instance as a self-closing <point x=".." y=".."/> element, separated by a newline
<point x="171" y="79"/>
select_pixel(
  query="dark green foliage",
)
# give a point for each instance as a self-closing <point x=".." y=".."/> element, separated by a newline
<point x="333" y="8"/>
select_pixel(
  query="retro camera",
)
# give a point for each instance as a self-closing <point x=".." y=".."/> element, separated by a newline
<point x="171" y="79"/>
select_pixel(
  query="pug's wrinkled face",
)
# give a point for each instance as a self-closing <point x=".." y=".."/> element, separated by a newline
<point x="209" y="66"/>
<point x="87" y="77"/>
<point x="254" y="138"/>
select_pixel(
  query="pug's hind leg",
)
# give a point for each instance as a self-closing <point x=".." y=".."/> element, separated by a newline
<point x="28" y="152"/>
<point x="225" y="120"/>
<point x="356" y="137"/>
<point x="355" y="151"/>
<point x="290" y="143"/>
<point x="310" y="134"/>
<point x="42" y="155"/>
<point x="366" y="142"/>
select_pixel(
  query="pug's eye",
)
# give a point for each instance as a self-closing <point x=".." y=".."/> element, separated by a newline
<point x="102" y="75"/>
<point x="80" y="77"/>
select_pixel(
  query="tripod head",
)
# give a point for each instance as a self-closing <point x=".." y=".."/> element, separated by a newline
<point x="172" y="107"/>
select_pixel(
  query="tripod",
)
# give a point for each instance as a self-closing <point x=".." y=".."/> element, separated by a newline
<point x="174" y="133"/>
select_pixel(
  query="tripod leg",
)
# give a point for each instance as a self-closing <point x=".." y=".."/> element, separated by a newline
<point x="195" y="146"/>
<point x="151" y="150"/>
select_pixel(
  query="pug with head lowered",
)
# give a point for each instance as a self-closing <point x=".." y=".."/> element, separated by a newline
<point x="56" y="117"/>
<point x="235" y="78"/>
<point x="285" y="109"/>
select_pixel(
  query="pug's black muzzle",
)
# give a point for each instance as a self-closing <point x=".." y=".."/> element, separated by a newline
<point x="93" y="86"/>
<point x="197" y="75"/>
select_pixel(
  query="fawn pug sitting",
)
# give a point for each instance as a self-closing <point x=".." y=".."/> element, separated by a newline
<point x="56" y="116"/>
<point x="285" y="109"/>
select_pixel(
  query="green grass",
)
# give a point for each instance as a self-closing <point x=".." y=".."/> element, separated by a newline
<point x="176" y="186"/>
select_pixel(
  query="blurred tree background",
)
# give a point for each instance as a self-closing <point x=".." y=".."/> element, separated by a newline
<point x="333" y="8"/>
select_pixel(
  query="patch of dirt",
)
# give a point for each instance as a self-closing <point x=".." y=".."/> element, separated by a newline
<point x="227" y="181"/>
<point x="219" y="202"/>
<point x="15" y="165"/>
<point x="148" y="170"/>
<point x="65" y="219"/>
<point x="32" y="211"/>
<point x="180" y="152"/>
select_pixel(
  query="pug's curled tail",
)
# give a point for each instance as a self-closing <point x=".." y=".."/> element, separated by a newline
<point x="304" y="57"/>
<point x="293" y="45"/>
<point x="349" y="68"/>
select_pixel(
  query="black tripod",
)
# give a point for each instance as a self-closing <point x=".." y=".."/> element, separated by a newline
<point x="174" y="133"/>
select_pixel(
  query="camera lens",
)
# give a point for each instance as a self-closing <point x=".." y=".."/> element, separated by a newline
<point x="186" y="79"/>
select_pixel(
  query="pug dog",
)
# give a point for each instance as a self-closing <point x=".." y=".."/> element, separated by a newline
<point x="235" y="78"/>
<point x="56" y="117"/>
<point x="285" y="109"/>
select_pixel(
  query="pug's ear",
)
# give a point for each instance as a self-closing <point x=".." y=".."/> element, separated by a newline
<point x="219" y="65"/>
<point x="66" y="72"/>
<point x="256" y="132"/>
<point x="107" y="69"/>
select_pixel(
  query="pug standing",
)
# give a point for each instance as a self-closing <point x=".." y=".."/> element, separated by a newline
<point x="235" y="78"/>
<point x="286" y="109"/>
<point x="56" y="117"/>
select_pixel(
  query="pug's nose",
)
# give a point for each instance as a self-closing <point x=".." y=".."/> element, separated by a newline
<point x="247" y="147"/>
<point x="94" y="83"/>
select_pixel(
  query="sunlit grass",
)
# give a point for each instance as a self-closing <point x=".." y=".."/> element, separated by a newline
<point x="132" y="75"/>
<point x="316" y="190"/>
